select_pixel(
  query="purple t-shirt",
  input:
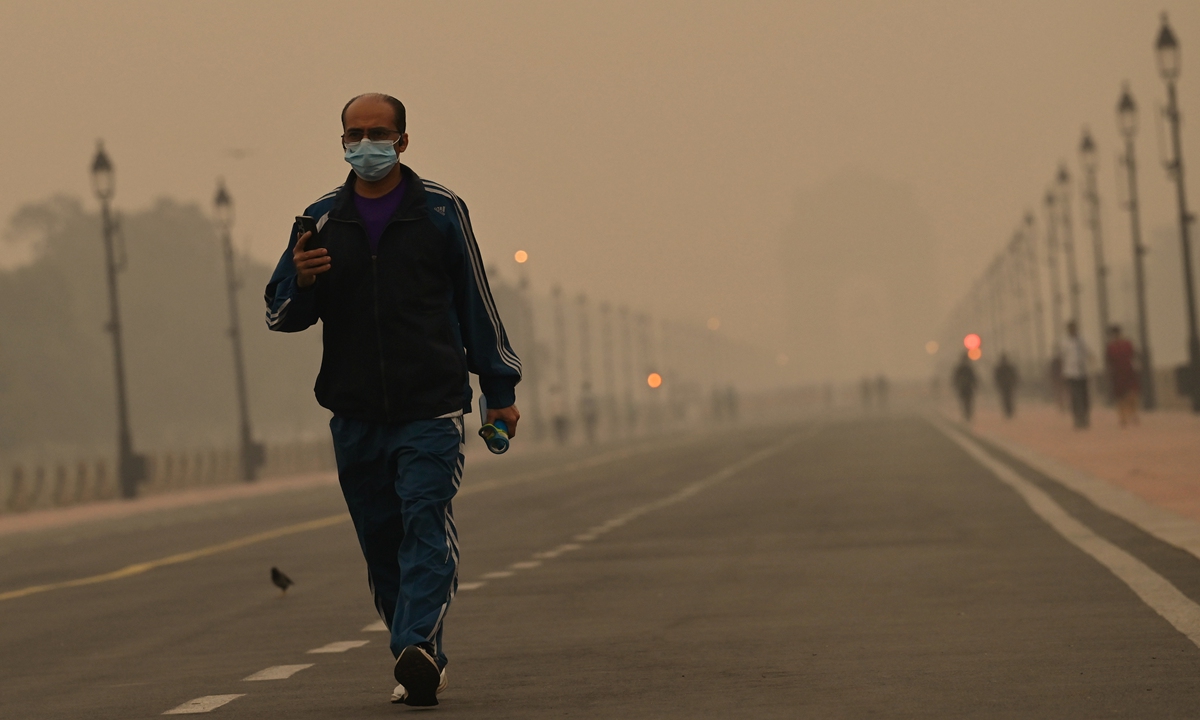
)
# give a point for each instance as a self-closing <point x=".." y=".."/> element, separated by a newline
<point x="376" y="212"/>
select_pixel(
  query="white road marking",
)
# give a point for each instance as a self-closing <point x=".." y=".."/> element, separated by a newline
<point x="338" y="647"/>
<point x="1154" y="590"/>
<point x="1172" y="529"/>
<point x="208" y="703"/>
<point x="616" y="522"/>
<point x="376" y="626"/>
<point x="277" y="672"/>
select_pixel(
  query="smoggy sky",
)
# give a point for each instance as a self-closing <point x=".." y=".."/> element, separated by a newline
<point x="644" y="152"/>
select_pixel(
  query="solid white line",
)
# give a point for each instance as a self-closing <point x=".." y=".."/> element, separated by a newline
<point x="525" y="565"/>
<point x="376" y="626"/>
<point x="338" y="647"/>
<point x="208" y="703"/>
<point x="277" y="672"/>
<point x="1154" y="590"/>
<point x="1172" y="529"/>
<point x="471" y="585"/>
<point x="497" y="575"/>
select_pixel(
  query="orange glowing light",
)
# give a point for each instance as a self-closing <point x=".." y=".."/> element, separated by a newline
<point x="714" y="323"/>
<point x="521" y="256"/>
<point x="972" y="342"/>
<point x="654" y="380"/>
<point x="931" y="347"/>
<point x="974" y="353"/>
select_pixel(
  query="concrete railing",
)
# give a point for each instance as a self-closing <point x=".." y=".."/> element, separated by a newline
<point x="49" y="484"/>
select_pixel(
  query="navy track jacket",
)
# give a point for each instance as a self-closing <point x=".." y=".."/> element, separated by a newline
<point x="402" y="328"/>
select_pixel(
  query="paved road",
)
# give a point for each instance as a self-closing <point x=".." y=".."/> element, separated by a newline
<point x="853" y="568"/>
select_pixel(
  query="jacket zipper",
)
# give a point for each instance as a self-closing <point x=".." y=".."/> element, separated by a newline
<point x="387" y="409"/>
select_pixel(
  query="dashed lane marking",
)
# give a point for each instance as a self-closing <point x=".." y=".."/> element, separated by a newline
<point x="1154" y="590"/>
<point x="471" y="585"/>
<point x="277" y="672"/>
<point x="339" y="646"/>
<point x="636" y="512"/>
<point x="208" y="703"/>
<point x="376" y="626"/>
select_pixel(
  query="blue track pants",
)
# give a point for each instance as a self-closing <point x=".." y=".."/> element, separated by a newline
<point x="398" y="481"/>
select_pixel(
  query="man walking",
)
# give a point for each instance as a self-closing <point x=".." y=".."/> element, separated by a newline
<point x="965" y="381"/>
<point x="395" y="276"/>
<point x="1074" y="371"/>
<point x="1120" y="358"/>
<point x="1006" y="382"/>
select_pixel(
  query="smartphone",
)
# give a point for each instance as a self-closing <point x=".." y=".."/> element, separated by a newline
<point x="308" y="224"/>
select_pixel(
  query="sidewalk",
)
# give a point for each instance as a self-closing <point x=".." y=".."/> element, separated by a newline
<point x="1158" y="460"/>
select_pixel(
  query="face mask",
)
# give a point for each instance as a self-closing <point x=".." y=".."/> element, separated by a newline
<point x="371" y="159"/>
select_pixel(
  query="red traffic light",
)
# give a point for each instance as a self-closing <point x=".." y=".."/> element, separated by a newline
<point x="972" y="342"/>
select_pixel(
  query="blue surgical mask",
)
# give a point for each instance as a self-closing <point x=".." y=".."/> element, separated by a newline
<point x="371" y="159"/>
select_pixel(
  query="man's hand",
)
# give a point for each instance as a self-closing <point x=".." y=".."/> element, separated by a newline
<point x="309" y="264"/>
<point x="510" y="415"/>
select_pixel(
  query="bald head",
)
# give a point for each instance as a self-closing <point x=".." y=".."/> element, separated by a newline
<point x="378" y="98"/>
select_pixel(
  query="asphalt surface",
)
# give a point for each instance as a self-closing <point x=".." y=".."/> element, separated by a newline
<point x="850" y="568"/>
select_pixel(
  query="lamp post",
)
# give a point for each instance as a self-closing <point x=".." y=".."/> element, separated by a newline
<point x="1127" y="124"/>
<point x="1087" y="157"/>
<point x="1068" y="241"/>
<point x="1167" y="51"/>
<point x="131" y="467"/>
<point x="252" y="454"/>
<point x="1056" y="298"/>
<point x="1035" y="283"/>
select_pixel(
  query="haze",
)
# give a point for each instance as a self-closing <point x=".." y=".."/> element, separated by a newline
<point x="671" y="156"/>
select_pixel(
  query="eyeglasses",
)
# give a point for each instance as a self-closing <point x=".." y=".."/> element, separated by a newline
<point x="375" y="134"/>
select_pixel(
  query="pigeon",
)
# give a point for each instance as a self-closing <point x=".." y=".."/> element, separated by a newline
<point x="283" y="582"/>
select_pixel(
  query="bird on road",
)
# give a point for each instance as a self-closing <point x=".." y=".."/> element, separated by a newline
<point x="283" y="582"/>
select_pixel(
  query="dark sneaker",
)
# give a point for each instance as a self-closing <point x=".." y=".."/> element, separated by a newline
<point x="400" y="693"/>
<point x="417" y="670"/>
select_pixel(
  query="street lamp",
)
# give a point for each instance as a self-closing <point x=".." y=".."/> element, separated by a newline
<point x="1068" y="240"/>
<point x="1035" y="283"/>
<point x="252" y="454"/>
<point x="1167" y="51"/>
<point x="1087" y="158"/>
<point x="131" y="467"/>
<point x="1056" y="298"/>
<point x="1127" y="124"/>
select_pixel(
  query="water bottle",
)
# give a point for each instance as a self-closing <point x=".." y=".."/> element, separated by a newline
<point x="495" y="434"/>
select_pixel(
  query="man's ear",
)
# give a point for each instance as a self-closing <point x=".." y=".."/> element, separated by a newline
<point x="403" y="144"/>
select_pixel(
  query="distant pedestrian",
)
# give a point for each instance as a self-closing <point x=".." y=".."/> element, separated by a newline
<point x="1074" y="371"/>
<point x="965" y="382"/>
<point x="1006" y="383"/>
<point x="881" y="392"/>
<point x="1122" y="375"/>
<point x="388" y="263"/>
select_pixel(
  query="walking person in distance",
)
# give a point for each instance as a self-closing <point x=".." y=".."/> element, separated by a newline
<point x="391" y="268"/>
<point x="965" y="382"/>
<point x="1006" y="383"/>
<point x="1074" y="371"/>
<point x="1120" y="360"/>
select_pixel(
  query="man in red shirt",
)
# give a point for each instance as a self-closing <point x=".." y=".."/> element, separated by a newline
<point x="1122" y="373"/>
